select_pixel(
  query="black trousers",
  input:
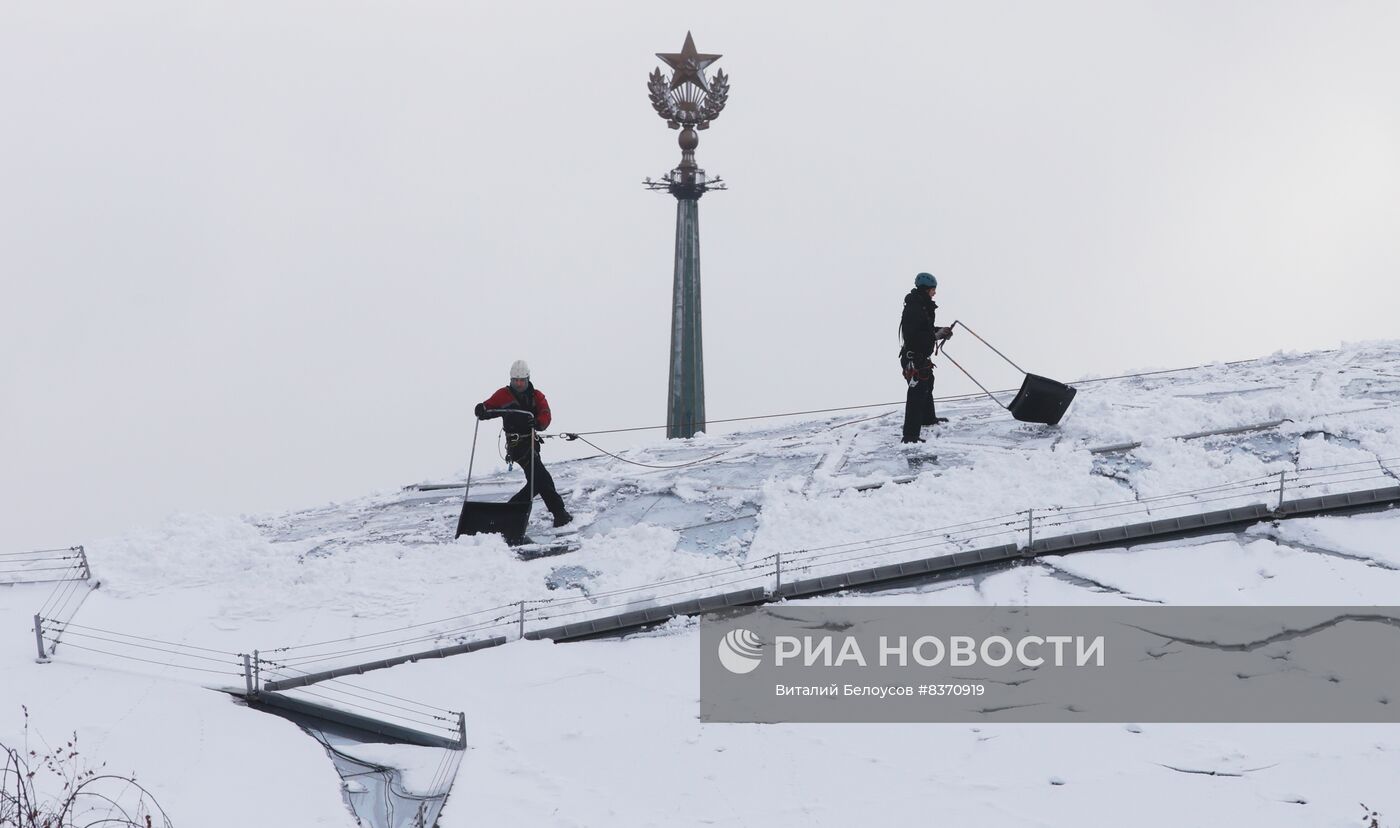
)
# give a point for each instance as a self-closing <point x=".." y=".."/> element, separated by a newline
<point x="537" y="477"/>
<point x="918" y="408"/>
<point x="918" y="403"/>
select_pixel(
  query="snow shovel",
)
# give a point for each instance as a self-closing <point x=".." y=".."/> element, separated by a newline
<point x="508" y="519"/>
<point x="1040" y="400"/>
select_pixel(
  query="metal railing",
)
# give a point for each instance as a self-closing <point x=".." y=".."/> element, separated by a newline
<point x="786" y="573"/>
<point x="1023" y="533"/>
<point x="44" y="565"/>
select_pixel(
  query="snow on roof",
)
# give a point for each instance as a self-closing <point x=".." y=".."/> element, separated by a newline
<point x="380" y="576"/>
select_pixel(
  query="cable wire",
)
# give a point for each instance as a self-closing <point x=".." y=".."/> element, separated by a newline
<point x="648" y="599"/>
<point x="38" y="552"/>
<point x="643" y="465"/>
<point x="148" y="661"/>
<point x="345" y="704"/>
<point x="67" y="625"/>
<point x="145" y="647"/>
<point x="386" y="632"/>
<point x="952" y="398"/>
<point x="316" y="658"/>
<point x="427" y="707"/>
<point x="29" y="569"/>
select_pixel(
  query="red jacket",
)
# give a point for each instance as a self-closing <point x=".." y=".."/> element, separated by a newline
<point x="536" y="404"/>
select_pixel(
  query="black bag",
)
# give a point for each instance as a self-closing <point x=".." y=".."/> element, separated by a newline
<point x="1041" y="400"/>
<point x="509" y="519"/>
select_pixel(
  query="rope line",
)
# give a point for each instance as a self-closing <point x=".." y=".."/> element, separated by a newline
<point x="39" y="569"/>
<point x="38" y="552"/>
<point x="650" y="598"/>
<point x="315" y="658"/>
<point x="1262" y="480"/>
<point x="386" y="632"/>
<point x="920" y="532"/>
<point x="59" y="599"/>
<point x="341" y="703"/>
<point x="899" y="546"/>
<point x="344" y="704"/>
<point x="575" y="436"/>
<point x="580" y="435"/>
<point x="592" y="598"/>
<point x="149" y="647"/>
<point x="951" y="398"/>
<point x="427" y="708"/>
<point x="61" y="626"/>
<point x="1230" y="491"/>
<point x="385" y="704"/>
<point x="146" y="660"/>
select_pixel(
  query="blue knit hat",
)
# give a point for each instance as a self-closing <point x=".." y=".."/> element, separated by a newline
<point x="925" y="281"/>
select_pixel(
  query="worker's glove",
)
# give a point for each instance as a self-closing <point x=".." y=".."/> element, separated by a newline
<point x="942" y="333"/>
<point x="481" y="411"/>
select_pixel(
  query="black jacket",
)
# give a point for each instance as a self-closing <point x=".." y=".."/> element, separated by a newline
<point x="916" y="324"/>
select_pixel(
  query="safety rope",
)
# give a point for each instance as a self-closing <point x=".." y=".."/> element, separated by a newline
<point x="951" y="398"/>
<point x="571" y="436"/>
<point x="579" y="435"/>
<point x="754" y="417"/>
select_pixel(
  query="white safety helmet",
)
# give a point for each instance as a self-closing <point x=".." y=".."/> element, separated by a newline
<point x="520" y="369"/>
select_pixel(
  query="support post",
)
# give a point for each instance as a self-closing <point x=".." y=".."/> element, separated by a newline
<point x="1279" y="507"/>
<point x="1030" y="533"/>
<point x="39" y="638"/>
<point x="522" y="619"/>
<point x="82" y="555"/>
<point x="248" y="673"/>
<point x="257" y="672"/>
<point x="462" y="730"/>
<point x="777" y="572"/>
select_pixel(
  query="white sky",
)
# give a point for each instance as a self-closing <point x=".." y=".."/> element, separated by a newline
<point x="264" y="255"/>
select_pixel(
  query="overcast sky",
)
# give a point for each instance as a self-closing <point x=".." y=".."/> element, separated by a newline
<point x="265" y="255"/>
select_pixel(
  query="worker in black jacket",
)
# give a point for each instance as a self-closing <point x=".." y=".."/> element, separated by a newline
<point x="919" y="335"/>
<point x="525" y="411"/>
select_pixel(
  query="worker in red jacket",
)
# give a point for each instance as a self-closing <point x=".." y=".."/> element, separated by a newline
<point x="523" y="411"/>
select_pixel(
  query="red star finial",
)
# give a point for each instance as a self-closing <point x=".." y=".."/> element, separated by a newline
<point x="689" y="66"/>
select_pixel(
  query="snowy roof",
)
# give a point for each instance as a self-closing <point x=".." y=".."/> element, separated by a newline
<point x="381" y="576"/>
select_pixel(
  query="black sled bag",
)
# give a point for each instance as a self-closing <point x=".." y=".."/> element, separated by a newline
<point x="509" y="519"/>
<point x="1041" y="400"/>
